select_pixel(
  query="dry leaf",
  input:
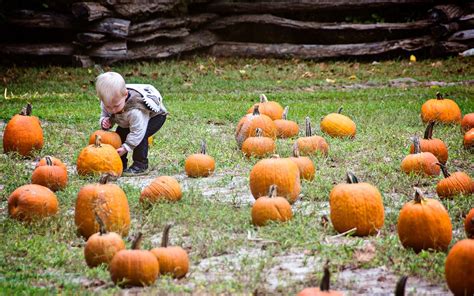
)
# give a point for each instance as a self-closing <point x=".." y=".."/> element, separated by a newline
<point x="365" y="254"/>
<point x="328" y="80"/>
<point x="307" y="75"/>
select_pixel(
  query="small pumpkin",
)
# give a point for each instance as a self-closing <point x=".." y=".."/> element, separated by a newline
<point x="162" y="188"/>
<point x="458" y="268"/>
<point x="424" y="224"/>
<point x="441" y="110"/>
<point x="286" y="128"/>
<point x="173" y="260"/>
<point x="108" y="201"/>
<point x="23" y="133"/>
<point x="258" y="146"/>
<point x="454" y="184"/>
<point x="134" y="267"/>
<point x="423" y="163"/>
<point x="310" y="144"/>
<point x="270" y="108"/>
<point x="305" y="164"/>
<point x="101" y="247"/>
<point x="467" y="122"/>
<point x="50" y="172"/>
<point x="271" y="208"/>
<point x="324" y="288"/>
<point x="32" y="202"/>
<point x="199" y="164"/>
<point x="247" y="126"/>
<point x="469" y="224"/>
<point x="338" y="125"/>
<point x="356" y="206"/>
<point x="429" y="144"/>
<point x="469" y="139"/>
<point x="99" y="158"/>
<point x="107" y="137"/>
<point x="282" y="172"/>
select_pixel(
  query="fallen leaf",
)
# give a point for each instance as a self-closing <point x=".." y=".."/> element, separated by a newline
<point x="328" y="80"/>
<point x="307" y="75"/>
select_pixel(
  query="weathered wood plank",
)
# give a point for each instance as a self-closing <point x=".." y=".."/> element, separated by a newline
<point x="35" y="19"/>
<point x="441" y="49"/>
<point x="116" y="49"/>
<point x="90" y="11"/>
<point x="112" y="26"/>
<point x="91" y="38"/>
<point x="130" y="9"/>
<point x="82" y="61"/>
<point x="445" y="13"/>
<point x="165" y="33"/>
<point x="192" y="22"/>
<point x="38" y="49"/>
<point x="462" y="35"/>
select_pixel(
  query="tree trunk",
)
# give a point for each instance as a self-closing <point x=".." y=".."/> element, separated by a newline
<point x="90" y="11"/>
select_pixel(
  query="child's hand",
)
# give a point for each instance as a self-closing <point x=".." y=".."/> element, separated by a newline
<point x="121" y="151"/>
<point x="106" y="123"/>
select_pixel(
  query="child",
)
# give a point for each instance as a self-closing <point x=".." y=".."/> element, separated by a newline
<point x="138" y="111"/>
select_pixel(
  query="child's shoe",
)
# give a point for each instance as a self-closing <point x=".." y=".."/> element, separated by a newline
<point x="135" y="171"/>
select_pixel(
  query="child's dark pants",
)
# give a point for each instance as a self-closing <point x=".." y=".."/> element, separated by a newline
<point x="140" y="153"/>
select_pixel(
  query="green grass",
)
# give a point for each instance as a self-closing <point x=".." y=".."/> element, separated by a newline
<point x="206" y="98"/>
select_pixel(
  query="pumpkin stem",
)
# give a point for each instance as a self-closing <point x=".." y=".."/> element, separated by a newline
<point x="285" y="113"/>
<point x="308" y="126"/>
<point x="166" y="235"/>
<point x="429" y="130"/>
<point x="444" y="169"/>
<point x="258" y="132"/>
<point x="351" y="178"/>
<point x="416" y="144"/>
<point x="97" y="142"/>
<point x="439" y="96"/>
<point x="339" y="110"/>
<point x="400" y="288"/>
<point x="272" y="191"/>
<point x="137" y="241"/>
<point x="296" y="150"/>
<point x="105" y="178"/>
<point x="102" y="229"/>
<point x="49" y="161"/>
<point x="203" y="147"/>
<point x="418" y="195"/>
<point x="26" y="111"/>
<point x="255" y="110"/>
<point x="263" y="98"/>
<point x="324" y="286"/>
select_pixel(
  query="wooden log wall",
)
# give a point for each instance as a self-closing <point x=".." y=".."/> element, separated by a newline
<point x="108" y="31"/>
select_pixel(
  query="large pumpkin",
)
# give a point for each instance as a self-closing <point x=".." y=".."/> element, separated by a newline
<point x="199" y="164"/>
<point x="107" y="137"/>
<point x="286" y="128"/>
<point x="258" y="146"/>
<point x="108" y="201"/>
<point x="99" y="158"/>
<point x="467" y="122"/>
<point x="324" y="287"/>
<point x="459" y="271"/>
<point x="454" y="184"/>
<point x="282" y="172"/>
<point x="23" y="133"/>
<point x="162" y="188"/>
<point x="310" y="144"/>
<point x="50" y="172"/>
<point x="32" y="202"/>
<point x="424" y="224"/>
<point x="338" y="125"/>
<point x="469" y="139"/>
<point x="422" y="163"/>
<point x="248" y="125"/>
<point x="356" y="206"/>
<point x="469" y="224"/>
<point x="441" y="110"/>
<point x="305" y="164"/>
<point x="271" y="208"/>
<point x="173" y="260"/>
<point x="269" y="108"/>
<point x="134" y="267"/>
<point x="429" y="144"/>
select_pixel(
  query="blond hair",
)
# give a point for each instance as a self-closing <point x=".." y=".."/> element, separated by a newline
<point x="108" y="85"/>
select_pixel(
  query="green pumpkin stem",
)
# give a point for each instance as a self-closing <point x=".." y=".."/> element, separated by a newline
<point x="203" y="147"/>
<point x="105" y="178"/>
<point x="102" y="229"/>
<point x="26" y="111"/>
<point x="255" y="110"/>
<point x="285" y="113"/>
<point x="49" y="161"/>
<point x="351" y="178"/>
<point x="400" y="288"/>
<point x="439" y="96"/>
<point x="98" y="141"/>
<point x="137" y="241"/>
<point x="325" y="281"/>
<point x="296" y="150"/>
<point x="263" y="98"/>
<point x="272" y="191"/>
<point x="339" y="110"/>
<point x="418" y="196"/>
<point x="258" y="132"/>
<point x="429" y="131"/>
<point x="166" y="236"/>
<point x="444" y="169"/>
<point x="308" y="127"/>
<point x="416" y="144"/>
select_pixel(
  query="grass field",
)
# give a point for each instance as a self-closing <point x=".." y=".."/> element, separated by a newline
<point x="206" y="98"/>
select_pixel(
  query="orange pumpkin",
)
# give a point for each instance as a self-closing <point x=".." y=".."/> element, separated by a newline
<point x="469" y="139"/>
<point x="107" y="137"/>
<point x="134" y="267"/>
<point x="469" y="224"/>
<point x="338" y="125"/>
<point x="108" y="201"/>
<point x="429" y="144"/>
<point x="101" y="247"/>
<point x="199" y="164"/>
<point x="467" y="122"/>
<point x="282" y="172"/>
<point x="50" y="172"/>
<point x="99" y="158"/>
<point x="458" y="268"/>
<point x="305" y="164"/>
<point x="23" y="133"/>
<point x="32" y="202"/>
<point x="249" y="124"/>
<point x="424" y="224"/>
<point x="423" y="163"/>
<point x="270" y="108"/>
<point x="162" y="188"/>
<point x="441" y="110"/>
<point x="310" y="144"/>
<point x="258" y="146"/>
<point x="454" y="184"/>
<point x="286" y="128"/>
<point x="356" y="206"/>
<point x="173" y="260"/>
<point x="324" y="289"/>
<point x="271" y="208"/>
